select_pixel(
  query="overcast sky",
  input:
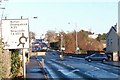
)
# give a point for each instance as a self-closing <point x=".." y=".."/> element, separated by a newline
<point x="95" y="15"/>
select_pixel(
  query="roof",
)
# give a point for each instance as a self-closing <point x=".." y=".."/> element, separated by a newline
<point x="112" y="29"/>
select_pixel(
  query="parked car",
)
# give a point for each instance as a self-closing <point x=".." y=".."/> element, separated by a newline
<point x="33" y="49"/>
<point x="97" y="57"/>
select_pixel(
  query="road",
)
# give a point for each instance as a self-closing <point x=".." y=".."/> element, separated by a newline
<point x="77" y="68"/>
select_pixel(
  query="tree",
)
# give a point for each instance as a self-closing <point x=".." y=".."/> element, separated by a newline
<point x="70" y="42"/>
<point x="51" y="36"/>
<point x="101" y="37"/>
<point x="31" y="36"/>
<point x="84" y="42"/>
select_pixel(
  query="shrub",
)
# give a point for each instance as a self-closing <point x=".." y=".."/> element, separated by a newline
<point x="15" y="63"/>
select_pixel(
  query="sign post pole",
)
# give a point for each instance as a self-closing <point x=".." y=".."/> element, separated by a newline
<point x="16" y="36"/>
<point x="24" y="66"/>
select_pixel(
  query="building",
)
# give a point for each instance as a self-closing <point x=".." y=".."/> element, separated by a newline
<point x="112" y="40"/>
<point x="94" y="36"/>
<point x="112" y="43"/>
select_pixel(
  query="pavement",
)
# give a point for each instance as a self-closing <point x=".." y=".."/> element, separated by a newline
<point x="113" y="63"/>
<point x="34" y="70"/>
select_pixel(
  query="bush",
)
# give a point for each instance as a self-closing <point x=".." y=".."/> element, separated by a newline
<point x="15" y="63"/>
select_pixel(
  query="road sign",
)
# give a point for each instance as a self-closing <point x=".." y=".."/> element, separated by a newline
<point x="15" y="33"/>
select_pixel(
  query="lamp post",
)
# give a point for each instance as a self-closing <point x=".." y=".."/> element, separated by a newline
<point x="61" y="45"/>
<point x="1" y="29"/>
<point x="76" y="39"/>
<point x="1" y="49"/>
<point x="1" y="22"/>
<point x="61" y="42"/>
<point x="2" y="12"/>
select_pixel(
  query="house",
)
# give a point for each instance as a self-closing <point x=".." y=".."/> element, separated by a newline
<point x="113" y="39"/>
<point x="112" y="42"/>
<point x="94" y="36"/>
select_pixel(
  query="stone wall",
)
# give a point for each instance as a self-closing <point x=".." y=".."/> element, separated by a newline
<point x="6" y="64"/>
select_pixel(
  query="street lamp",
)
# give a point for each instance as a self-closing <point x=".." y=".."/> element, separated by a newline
<point x="1" y="49"/>
<point x="61" y="42"/>
<point x="1" y="22"/>
<point x="2" y="1"/>
<point x="1" y="28"/>
<point x="61" y="45"/>
<point x="76" y="39"/>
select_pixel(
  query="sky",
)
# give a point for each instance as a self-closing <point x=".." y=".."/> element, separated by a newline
<point x="64" y="15"/>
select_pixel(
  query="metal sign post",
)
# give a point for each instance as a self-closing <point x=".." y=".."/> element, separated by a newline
<point x="15" y="35"/>
<point x="24" y="66"/>
<point x="23" y="52"/>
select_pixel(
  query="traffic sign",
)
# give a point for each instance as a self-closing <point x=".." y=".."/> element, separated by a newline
<point x="15" y="33"/>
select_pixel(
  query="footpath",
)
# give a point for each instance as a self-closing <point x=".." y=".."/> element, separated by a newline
<point x="34" y="70"/>
<point x="113" y="63"/>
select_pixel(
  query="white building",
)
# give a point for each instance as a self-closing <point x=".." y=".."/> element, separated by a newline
<point x="94" y="36"/>
<point x="112" y="42"/>
<point x="113" y="38"/>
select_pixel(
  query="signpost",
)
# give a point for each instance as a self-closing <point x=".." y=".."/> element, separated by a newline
<point x="15" y="35"/>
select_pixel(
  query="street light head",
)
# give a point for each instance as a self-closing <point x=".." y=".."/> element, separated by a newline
<point x="68" y="22"/>
<point x="35" y="17"/>
<point x="2" y="8"/>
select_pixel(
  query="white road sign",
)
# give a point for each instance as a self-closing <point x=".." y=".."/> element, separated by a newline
<point x="15" y="33"/>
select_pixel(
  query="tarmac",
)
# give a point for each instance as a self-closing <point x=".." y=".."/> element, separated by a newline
<point x="113" y="63"/>
<point x="34" y="70"/>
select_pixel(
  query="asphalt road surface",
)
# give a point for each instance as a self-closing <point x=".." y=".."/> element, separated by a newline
<point x="77" y="68"/>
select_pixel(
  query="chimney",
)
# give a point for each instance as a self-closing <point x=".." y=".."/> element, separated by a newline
<point x="115" y="26"/>
<point x="21" y="17"/>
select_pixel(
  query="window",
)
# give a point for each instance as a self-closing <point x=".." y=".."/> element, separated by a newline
<point x="111" y="42"/>
<point x="108" y="42"/>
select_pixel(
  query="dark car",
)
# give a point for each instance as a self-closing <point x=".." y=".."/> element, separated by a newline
<point x="36" y="46"/>
<point x="97" y="57"/>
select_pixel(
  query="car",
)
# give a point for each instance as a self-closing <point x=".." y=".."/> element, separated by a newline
<point x="33" y="49"/>
<point x="97" y="57"/>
